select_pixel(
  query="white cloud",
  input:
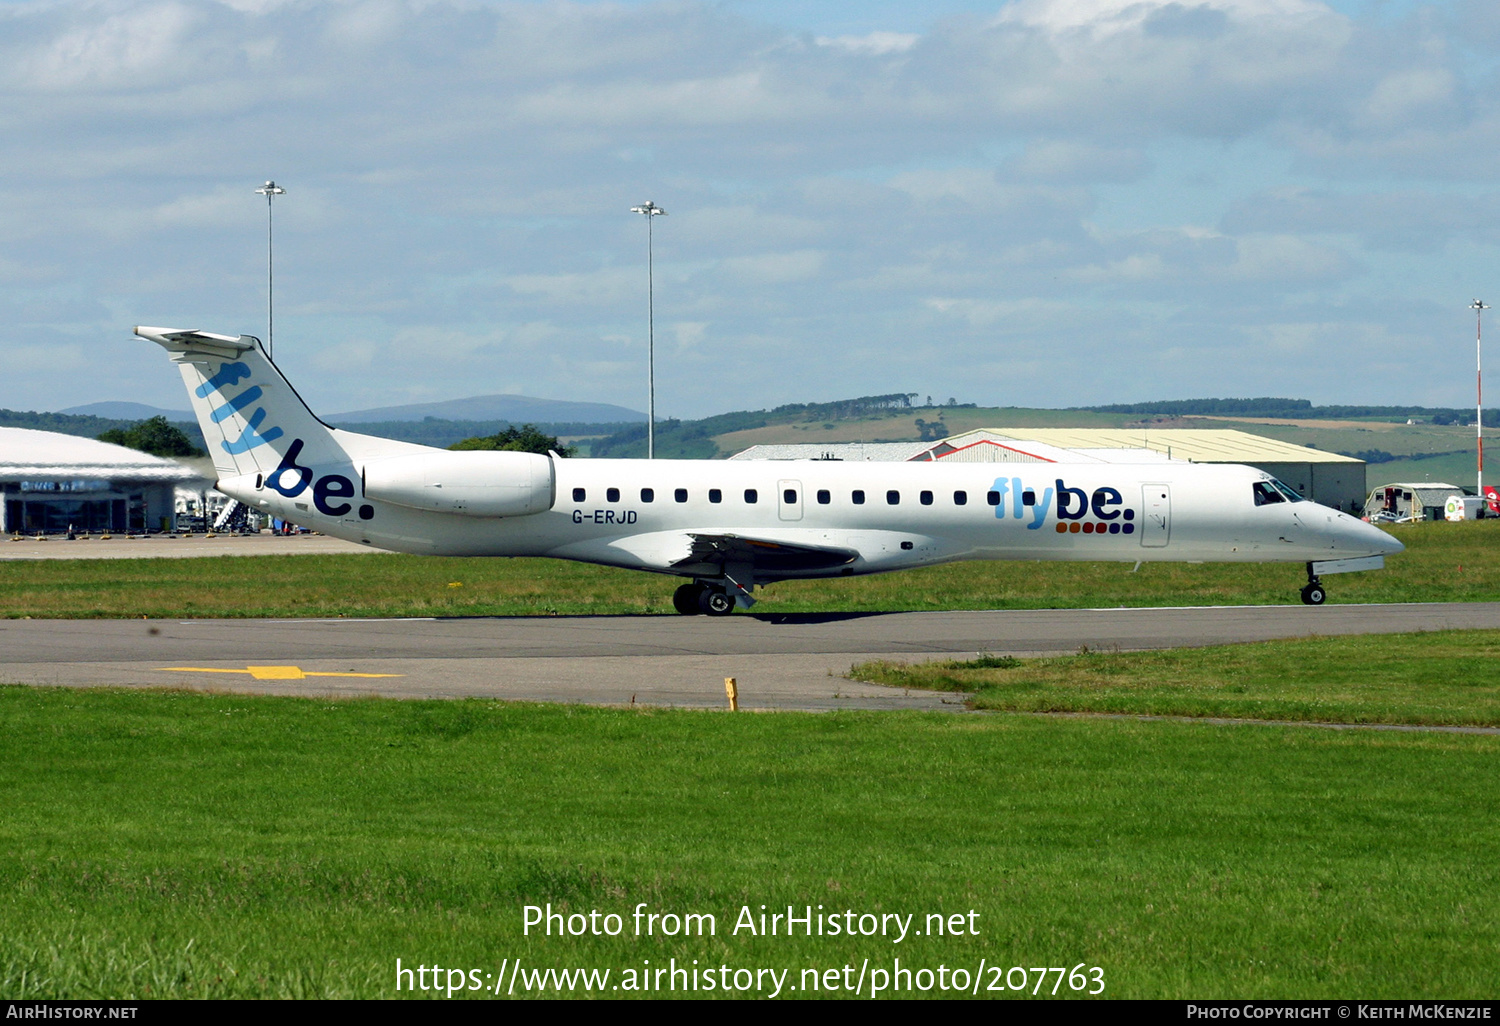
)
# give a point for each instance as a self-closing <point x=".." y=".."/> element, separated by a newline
<point x="111" y="51"/>
<point x="597" y="288"/>
<point x="1108" y="17"/>
<point x="1408" y="94"/>
<point x="1024" y="314"/>
<point x="690" y="334"/>
<point x="878" y="43"/>
<point x="1070" y="161"/>
<point x="776" y="268"/>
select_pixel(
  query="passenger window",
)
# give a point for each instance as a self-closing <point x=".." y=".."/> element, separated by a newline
<point x="925" y="498"/>
<point x="789" y="496"/>
<point x="648" y="494"/>
<point x="824" y="496"/>
<point x="751" y="495"/>
<point x="1028" y="498"/>
<point x="714" y="495"/>
<point x="993" y="498"/>
<point x="857" y="497"/>
<point x="579" y="495"/>
<point x="1265" y="494"/>
<point x="893" y="498"/>
<point x="612" y="494"/>
<point x="680" y="495"/>
<point x="960" y="498"/>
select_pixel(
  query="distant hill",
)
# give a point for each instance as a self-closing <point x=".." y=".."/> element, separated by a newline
<point x="125" y="411"/>
<point x="511" y="409"/>
<point x="86" y="426"/>
<point x="480" y="409"/>
<point x="443" y="433"/>
<point x="1294" y="409"/>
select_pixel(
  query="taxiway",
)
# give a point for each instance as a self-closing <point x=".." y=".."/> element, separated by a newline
<point x="779" y="661"/>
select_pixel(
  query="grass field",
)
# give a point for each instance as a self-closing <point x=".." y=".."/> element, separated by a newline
<point x="180" y="844"/>
<point x="1443" y="563"/>
<point x="1442" y="677"/>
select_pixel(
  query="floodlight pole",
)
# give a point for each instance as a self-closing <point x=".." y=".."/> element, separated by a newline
<point x="1479" y="308"/>
<point x="268" y="190"/>
<point x="650" y="211"/>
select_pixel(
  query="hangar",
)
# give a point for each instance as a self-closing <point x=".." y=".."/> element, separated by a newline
<point x="1325" y="477"/>
<point x="1403" y="501"/>
<point x="51" y="482"/>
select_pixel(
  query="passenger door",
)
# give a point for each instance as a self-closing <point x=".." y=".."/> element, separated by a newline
<point x="1156" y="518"/>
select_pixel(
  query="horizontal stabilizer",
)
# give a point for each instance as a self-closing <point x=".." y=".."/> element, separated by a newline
<point x="176" y="340"/>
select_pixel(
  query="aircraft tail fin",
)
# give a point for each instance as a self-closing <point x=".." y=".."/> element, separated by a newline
<point x="1492" y="498"/>
<point x="252" y="418"/>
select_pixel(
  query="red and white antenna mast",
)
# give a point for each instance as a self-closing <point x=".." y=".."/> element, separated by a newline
<point x="1479" y="308"/>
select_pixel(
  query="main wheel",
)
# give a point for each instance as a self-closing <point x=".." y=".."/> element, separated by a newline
<point x="1313" y="595"/>
<point x="685" y="599"/>
<point x="715" y="602"/>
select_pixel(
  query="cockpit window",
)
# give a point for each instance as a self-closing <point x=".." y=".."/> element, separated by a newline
<point x="1265" y="494"/>
<point x="1291" y="495"/>
<point x="1272" y="490"/>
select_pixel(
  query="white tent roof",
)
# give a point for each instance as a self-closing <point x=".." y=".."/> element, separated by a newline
<point x="29" y="455"/>
<point x="875" y="452"/>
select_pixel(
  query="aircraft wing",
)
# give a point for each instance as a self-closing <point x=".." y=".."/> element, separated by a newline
<point x="712" y="553"/>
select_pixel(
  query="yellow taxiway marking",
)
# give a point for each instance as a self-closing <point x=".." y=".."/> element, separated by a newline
<point x="274" y="672"/>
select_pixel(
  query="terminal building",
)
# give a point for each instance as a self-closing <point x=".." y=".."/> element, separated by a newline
<point x="1325" y="477"/>
<point x="52" y="483"/>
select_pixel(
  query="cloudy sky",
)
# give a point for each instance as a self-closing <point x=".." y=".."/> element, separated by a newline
<point x="1037" y="202"/>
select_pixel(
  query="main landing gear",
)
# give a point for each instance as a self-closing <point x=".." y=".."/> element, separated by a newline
<point x="1313" y="593"/>
<point x="698" y="597"/>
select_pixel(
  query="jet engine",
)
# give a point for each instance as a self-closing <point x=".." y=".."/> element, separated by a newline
<point x="475" y="483"/>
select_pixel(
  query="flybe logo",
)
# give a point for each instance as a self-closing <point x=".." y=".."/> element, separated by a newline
<point x="328" y="492"/>
<point x="1078" y="512"/>
<point x="290" y="478"/>
<point x="232" y="374"/>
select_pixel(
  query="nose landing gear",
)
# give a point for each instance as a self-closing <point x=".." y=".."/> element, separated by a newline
<point x="1313" y="593"/>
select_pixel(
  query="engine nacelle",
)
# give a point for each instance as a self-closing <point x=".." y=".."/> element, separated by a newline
<point x="474" y="483"/>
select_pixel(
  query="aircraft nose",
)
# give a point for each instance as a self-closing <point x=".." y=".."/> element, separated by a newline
<point x="1352" y="537"/>
<point x="1369" y="538"/>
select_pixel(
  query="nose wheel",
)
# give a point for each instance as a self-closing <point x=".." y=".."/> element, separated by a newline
<point x="1312" y="592"/>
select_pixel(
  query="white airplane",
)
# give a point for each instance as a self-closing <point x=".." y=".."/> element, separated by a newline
<point x="729" y="527"/>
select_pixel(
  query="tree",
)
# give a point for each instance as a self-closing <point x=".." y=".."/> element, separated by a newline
<point x="155" y="436"/>
<point x="931" y="431"/>
<point x="526" y="438"/>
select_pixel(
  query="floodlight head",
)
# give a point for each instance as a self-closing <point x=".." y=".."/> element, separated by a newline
<point x="648" y="208"/>
<point x="270" y="189"/>
<point x="1479" y="304"/>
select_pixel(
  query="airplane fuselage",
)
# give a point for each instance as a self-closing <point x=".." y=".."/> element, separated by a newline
<point x="635" y="513"/>
<point x="731" y="526"/>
